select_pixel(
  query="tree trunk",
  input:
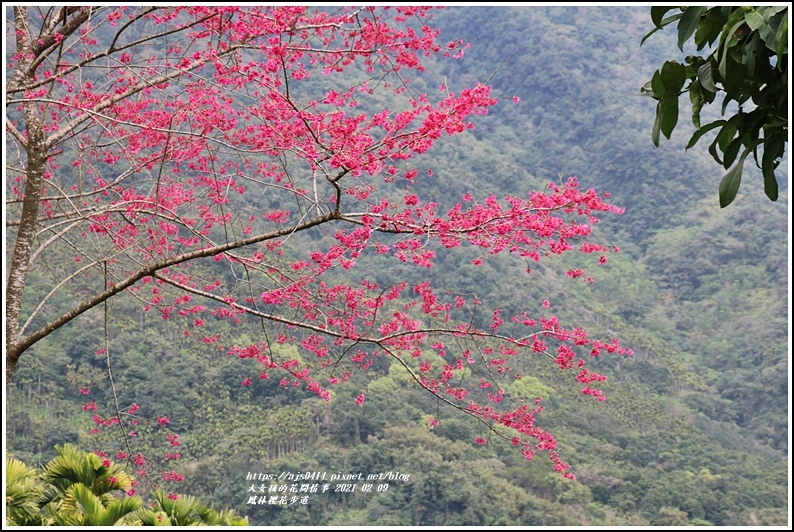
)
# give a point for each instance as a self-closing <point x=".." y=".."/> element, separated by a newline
<point x="36" y="150"/>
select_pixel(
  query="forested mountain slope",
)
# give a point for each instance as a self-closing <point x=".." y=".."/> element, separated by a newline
<point x="694" y="429"/>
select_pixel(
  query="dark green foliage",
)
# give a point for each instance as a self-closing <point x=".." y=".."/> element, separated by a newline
<point x="750" y="65"/>
<point x="78" y="489"/>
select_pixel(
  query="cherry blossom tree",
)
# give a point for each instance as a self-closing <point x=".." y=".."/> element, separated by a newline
<point x="236" y="163"/>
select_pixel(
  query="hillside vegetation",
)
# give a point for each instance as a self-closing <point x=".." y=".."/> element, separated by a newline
<point x="694" y="429"/>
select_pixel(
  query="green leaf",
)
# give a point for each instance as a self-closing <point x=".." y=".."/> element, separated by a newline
<point x="781" y="40"/>
<point x="773" y="121"/>
<point x="694" y="61"/>
<point x="673" y="76"/>
<point x="83" y="502"/>
<point x="734" y="77"/>
<point x="725" y="103"/>
<point x="665" y="22"/>
<point x="703" y="130"/>
<point x="728" y="133"/>
<point x="770" y="11"/>
<point x="669" y="114"/>
<point x="730" y="183"/>
<point x="754" y="20"/>
<point x="736" y="16"/>
<point x="657" y="86"/>
<point x="752" y="51"/>
<point x="773" y="148"/>
<point x="725" y="135"/>
<point x="770" y="185"/>
<point x="648" y="35"/>
<point x="705" y="77"/>
<point x="732" y="151"/>
<point x="708" y="96"/>
<point x="728" y="37"/>
<point x="696" y="98"/>
<point x="657" y="14"/>
<point x="768" y="34"/>
<point x="119" y="509"/>
<point x="729" y="41"/>
<point x="657" y="125"/>
<point x="709" y="29"/>
<point x="689" y="23"/>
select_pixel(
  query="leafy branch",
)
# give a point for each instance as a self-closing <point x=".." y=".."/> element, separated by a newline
<point x="749" y="64"/>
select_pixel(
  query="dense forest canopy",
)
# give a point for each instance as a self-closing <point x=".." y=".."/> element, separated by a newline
<point x="694" y="428"/>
